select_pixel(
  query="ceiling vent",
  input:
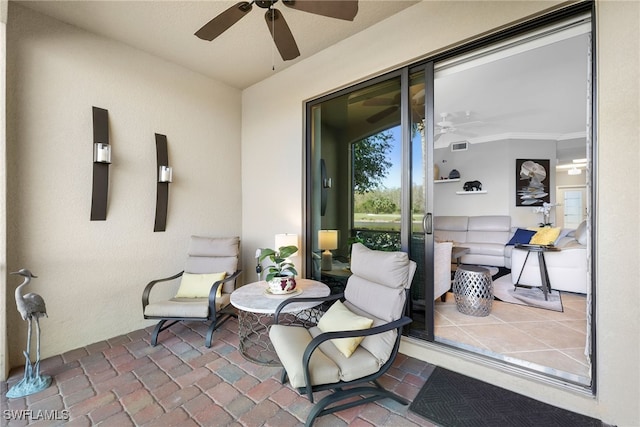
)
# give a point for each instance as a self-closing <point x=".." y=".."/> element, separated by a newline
<point x="459" y="146"/>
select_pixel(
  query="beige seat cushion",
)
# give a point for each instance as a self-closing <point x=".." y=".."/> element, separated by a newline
<point x="360" y="364"/>
<point x="290" y="342"/>
<point x="185" y="307"/>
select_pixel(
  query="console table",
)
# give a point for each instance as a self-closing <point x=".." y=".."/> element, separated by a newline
<point x="255" y="315"/>
<point x="544" y="274"/>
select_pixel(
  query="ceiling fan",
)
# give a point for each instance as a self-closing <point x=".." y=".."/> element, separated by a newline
<point x="393" y="104"/>
<point x="447" y="126"/>
<point x="280" y="32"/>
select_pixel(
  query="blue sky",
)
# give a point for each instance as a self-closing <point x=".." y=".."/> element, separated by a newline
<point x="393" y="178"/>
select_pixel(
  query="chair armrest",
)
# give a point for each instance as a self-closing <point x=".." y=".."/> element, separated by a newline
<point x="325" y="336"/>
<point x="147" y="289"/>
<point x="216" y="285"/>
<point x="284" y="303"/>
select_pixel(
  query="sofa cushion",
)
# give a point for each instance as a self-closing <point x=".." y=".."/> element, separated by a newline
<point x="545" y="236"/>
<point x="521" y="236"/>
<point x="581" y="234"/>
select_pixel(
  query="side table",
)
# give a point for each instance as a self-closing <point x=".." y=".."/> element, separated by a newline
<point x="255" y="315"/>
<point x="544" y="274"/>
<point x="473" y="290"/>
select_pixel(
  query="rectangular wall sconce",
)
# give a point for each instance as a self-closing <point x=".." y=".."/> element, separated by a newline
<point x="165" y="174"/>
<point x="101" y="161"/>
<point x="101" y="153"/>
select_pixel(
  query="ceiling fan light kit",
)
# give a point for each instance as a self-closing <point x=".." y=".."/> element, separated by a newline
<point x="278" y="27"/>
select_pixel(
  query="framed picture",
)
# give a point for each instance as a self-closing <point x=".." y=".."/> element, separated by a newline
<point x="532" y="182"/>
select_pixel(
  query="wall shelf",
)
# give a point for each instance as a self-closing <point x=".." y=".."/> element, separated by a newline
<point x="471" y="192"/>
<point x="441" y="181"/>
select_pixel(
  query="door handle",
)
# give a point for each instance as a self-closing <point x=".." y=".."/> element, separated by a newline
<point x="427" y="223"/>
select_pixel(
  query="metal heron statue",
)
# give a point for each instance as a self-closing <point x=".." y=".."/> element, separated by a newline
<point x="30" y="306"/>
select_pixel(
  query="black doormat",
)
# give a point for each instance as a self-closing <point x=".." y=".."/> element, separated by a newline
<point x="450" y="399"/>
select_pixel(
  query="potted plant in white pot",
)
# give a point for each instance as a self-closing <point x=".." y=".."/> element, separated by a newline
<point x="280" y="275"/>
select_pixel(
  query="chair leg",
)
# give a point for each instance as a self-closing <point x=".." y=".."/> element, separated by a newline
<point x="373" y="393"/>
<point x="159" y="328"/>
<point x="210" y="331"/>
<point x="215" y="324"/>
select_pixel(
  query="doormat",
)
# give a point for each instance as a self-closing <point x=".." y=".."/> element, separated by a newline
<point x="504" y="290"/>
<point x="450" y="399"/>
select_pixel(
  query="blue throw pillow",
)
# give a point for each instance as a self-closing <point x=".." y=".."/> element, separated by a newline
<point x="521" y="236"/>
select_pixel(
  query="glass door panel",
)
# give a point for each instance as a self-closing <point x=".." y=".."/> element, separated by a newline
<point x="356" y="164"/>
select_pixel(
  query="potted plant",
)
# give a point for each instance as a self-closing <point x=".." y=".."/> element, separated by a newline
<point x="280" y="275"/>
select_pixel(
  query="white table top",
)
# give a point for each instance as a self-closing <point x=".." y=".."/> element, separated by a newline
<point x="252" y="297"/>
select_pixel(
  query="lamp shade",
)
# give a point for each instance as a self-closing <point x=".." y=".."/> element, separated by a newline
<point x="328" y="239"/>
<point x="286" y="239"/>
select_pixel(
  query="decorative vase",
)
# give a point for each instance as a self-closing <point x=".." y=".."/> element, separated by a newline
<point x="436" y="172"/>
<point x="282" y="285"/>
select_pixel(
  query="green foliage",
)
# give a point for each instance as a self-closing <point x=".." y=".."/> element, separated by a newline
<point x="379" y="241"/>
<point x="370" y="162"/>
<point x="281" y="265"/>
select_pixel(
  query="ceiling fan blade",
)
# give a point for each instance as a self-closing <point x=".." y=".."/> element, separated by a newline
<point x="382" y="114"/>
<point x="340" y="9"/>
<point x="222" y="22"/>
<point x="379" y="102"/>
<point x="281" y="34"/>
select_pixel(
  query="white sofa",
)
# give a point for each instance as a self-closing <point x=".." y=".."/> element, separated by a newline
<point x="487" y="238"/>
<point x="567" y="268"/>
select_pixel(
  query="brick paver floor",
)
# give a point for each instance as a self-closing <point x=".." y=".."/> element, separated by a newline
<point x="124" y="381"/>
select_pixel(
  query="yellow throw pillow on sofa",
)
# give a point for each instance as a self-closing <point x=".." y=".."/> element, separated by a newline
<point x="545" y="235"/>
<point x="198" y="285"/>
<point x="340" y="318"/>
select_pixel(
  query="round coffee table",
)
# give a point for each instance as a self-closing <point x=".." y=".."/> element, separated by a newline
<point x="255" y="315"/>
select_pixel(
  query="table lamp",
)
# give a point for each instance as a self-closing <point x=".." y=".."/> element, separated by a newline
<point x="327" y="241"/>
<point x="286" y="239"/>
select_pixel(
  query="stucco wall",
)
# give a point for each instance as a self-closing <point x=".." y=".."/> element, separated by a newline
<point x="273" y="131"/>
<point x="92" y="273"/>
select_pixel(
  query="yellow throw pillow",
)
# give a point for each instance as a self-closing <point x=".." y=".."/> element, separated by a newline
<point x="198" y="285"/>
<point x="544" y="236"/>
<point x="340" y="318"/>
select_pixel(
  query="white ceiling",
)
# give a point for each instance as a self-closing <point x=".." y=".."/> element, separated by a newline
<point x="240" y="57"/>
<point x="533" y="91"/>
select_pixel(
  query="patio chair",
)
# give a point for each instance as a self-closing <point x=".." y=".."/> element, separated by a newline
<point x="355" y="341"/>
<point x="205" y="289"/>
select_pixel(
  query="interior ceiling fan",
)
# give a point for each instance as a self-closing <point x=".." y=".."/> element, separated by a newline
<point x="447" y="126"/>
<point x="280" y="32"/>
<point x="393" y="104"/>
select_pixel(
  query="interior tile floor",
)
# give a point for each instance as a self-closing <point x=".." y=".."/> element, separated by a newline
<point x="533" y="336"/>
<point x="125" y="382"/>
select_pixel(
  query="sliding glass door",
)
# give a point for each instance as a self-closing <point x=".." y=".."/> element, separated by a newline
<point x="389" y="161"/>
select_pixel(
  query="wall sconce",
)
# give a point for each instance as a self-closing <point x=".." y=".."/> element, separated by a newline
<point x="165" y="174"/>
<point x="101" y="161"/>
<point x="101" y="153"/>
<point x="327" y="241"/>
